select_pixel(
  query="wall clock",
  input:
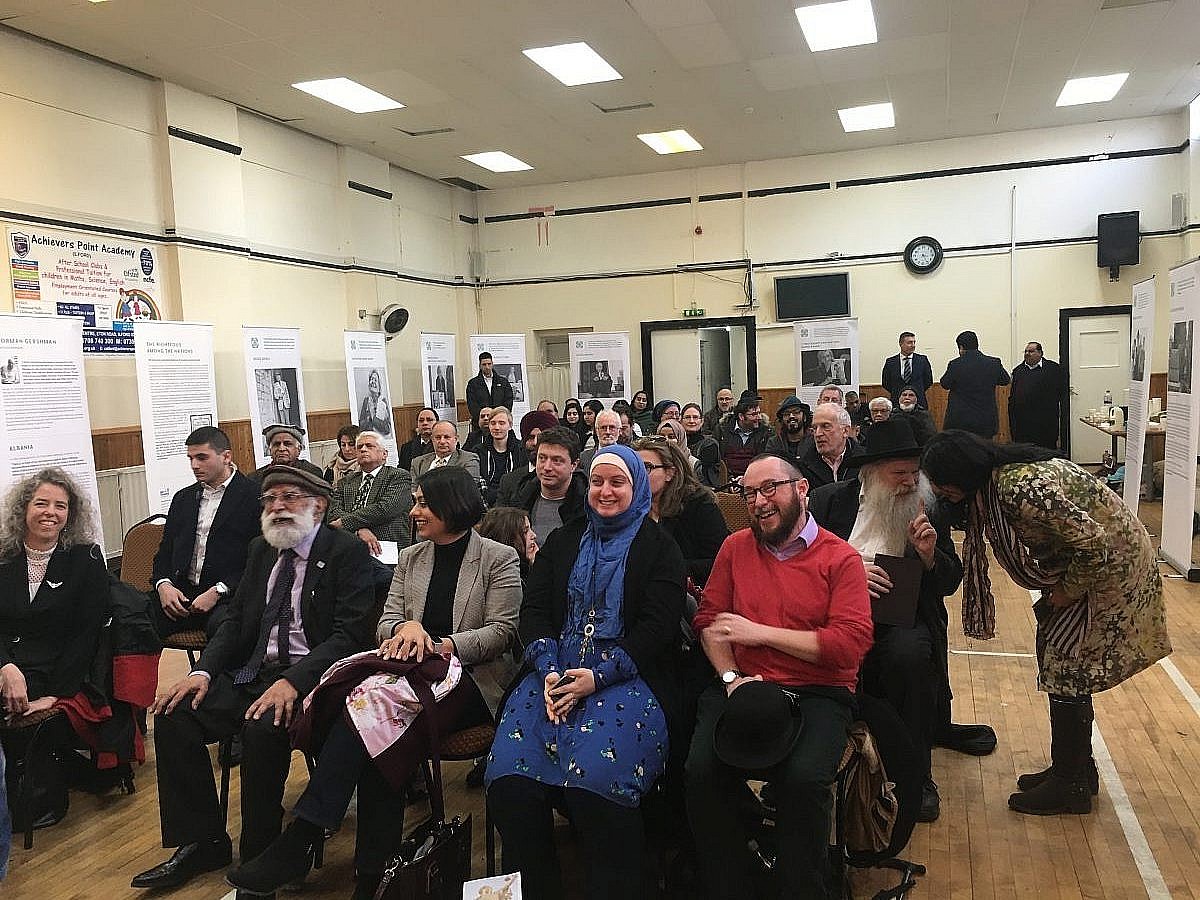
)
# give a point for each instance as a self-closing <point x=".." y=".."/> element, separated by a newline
<point x="922" y="255"/>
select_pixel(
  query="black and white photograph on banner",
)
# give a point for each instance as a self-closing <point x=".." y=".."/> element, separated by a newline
<point x="1137" y="356"/>
<point x="601" y="379"/>
<point x="516" y="378"/>
<point x="10" y="372"/>
<point x="441" y="386"/>
<point x="374" y="414"/>
<point x="1179" y="358"/>
<point x="200" y="420"/>
<point x="826" y="366"/>
<point x="277" y="397"/>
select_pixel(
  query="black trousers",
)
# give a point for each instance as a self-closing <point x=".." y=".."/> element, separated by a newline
<point x="900" y="669"/>
<point x="165" y="626"/>
<point x="613" y="837"/>
<point x="343" y="765"/>
<point x="187" y="792"/>
<point x="804" y="803"/>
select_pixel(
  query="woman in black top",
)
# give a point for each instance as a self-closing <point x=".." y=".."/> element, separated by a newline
<point x="704" y="448"/>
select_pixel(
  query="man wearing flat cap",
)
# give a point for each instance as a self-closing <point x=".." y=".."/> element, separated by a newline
<point x="786" y="603"/>
<point x="304" y="601"/>
<point x="284" y="443"/>
<point x="887" y="509"/>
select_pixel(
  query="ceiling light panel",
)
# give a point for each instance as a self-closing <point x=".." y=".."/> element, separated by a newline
<point x="348" y="95"/>
<point x="497" y="161"/>
<point x="573" y="64"/>
<point x="867" y="118"/>
<point x="677" y="141"/>
<point x="828" y="26"/>
<point x="1096" y="89"/>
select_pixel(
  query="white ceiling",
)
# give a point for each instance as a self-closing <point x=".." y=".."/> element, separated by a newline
<point x="736" y="73"/>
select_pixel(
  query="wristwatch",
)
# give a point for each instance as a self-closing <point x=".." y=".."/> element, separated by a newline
<point x="222" y="589"/>
<point x="730" y="676"/>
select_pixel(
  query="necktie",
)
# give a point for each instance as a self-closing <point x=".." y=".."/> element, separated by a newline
<point x="907" y="372"/>
<point x="360" y="499"/>
<point x="439" y="461"/>
<point x="277" y="612"/>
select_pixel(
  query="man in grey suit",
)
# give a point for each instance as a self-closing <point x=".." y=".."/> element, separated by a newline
<point x="373" y="503"/>
<point x="445" y="453"/>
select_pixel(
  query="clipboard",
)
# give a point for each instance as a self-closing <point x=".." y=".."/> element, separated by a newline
<point x="899" y="605"/>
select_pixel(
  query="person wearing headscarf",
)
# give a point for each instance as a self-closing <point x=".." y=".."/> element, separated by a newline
<point x="641" y="412"/>
<point x="665" y="409"/>
<point x="588" y="723"/>
<point x="673" y="431"/>
<point x="1100" y="617"/>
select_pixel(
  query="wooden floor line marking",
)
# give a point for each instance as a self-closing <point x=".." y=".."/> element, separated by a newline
<point x="1189" y="692"/>
<point x="992" y="653"/>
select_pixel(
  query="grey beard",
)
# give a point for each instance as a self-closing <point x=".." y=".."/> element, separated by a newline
<point x="890" y="512"/>
<point x="286" y="535"/>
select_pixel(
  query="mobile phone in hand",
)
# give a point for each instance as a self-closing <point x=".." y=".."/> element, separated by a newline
<point x="563" y="682"/>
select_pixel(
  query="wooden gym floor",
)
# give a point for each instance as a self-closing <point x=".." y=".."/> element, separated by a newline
<point x="1142" y="840"/>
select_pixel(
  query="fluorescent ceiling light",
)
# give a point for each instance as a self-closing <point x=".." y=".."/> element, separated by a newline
<point x="677" y="141"/>
<point x="867" y="118"/>
<point x="348" y="94"/>
<point x="573" y="64"/>
<point x="497" y="161"/>
<point x="828" y="26"/>
<point x="1097" y="89"/>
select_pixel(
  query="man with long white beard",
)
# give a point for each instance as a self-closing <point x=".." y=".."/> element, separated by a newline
<point x="304" y="601"/>
<point x="884" y="511"/>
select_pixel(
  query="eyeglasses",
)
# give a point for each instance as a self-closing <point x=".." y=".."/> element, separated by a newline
<point x="289" y="498"/>
<point x="767" y="489"/>
<point x="650" y="467"/>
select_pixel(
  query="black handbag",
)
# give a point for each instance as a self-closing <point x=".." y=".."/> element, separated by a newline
<point x="434" y="861"/>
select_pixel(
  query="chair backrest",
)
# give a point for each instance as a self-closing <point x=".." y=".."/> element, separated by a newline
<point x="138" y="549"/>
<point x="733" y="510"/>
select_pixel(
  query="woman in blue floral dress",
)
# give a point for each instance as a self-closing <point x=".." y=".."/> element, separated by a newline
<point x="601" y="610"/>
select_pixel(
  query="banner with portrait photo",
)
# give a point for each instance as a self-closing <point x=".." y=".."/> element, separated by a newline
<point x="44" y="416"/>
<point x="177" y="393"/>
<point x="826" y="354"/>
<point x="1183" y="392"/>
<point x="367" y="383"/>
<point x="438" y="375"/>
<point x="508" y="358"/>
<point x="274" y="384"/>
<point x="1141" y="325"/>
<point x="107" y="283"/>
<point x="600" y="366"/>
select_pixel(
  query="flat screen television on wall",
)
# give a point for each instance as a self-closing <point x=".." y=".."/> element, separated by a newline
<point x="812" y="296"/>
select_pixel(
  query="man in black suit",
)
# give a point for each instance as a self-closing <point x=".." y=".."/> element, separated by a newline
<point x="304" y="601"/>
<point x="377" y="511"/>
<point x="422" y="441"/>
<point x="972" y="380"/>
<point x="209" y="527"/>
<point x="284" y="443"/>
<point x="907" y="369"/>
<point x="488" y="388"/>
<point x="1038" y="392"/>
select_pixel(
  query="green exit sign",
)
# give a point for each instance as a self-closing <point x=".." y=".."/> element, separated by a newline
<point x="694" y="313"/>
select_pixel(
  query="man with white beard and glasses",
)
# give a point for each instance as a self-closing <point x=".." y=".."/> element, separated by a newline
<point x="883" y="511"/>
<point x="785" y="621"/>
<point x="304" y="601"/>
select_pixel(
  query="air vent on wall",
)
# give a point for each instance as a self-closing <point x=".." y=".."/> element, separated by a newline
<point x="463" y="183"/>
<point x="633" y="107"/>
<point x="425" y="133"/>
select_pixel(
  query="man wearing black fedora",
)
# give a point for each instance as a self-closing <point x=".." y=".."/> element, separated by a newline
<point x="785" y="621"/>
<point x="882" y="511"/>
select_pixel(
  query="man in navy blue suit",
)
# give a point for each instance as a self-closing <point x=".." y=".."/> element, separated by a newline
<point x="972" y="380"/>
<point x="209" y="527"/>
<point x="907" y="369"/>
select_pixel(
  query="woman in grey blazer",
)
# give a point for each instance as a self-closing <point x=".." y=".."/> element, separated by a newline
<point x="454" y="593"/>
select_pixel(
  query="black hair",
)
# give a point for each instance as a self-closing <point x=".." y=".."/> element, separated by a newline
<point x="349" y="431"/>
<point x="968" y="340"/>
<point x="595" y="406"/>
<point x="506" y="524"/>
<point x="211" y="435"/>
<point x="561" y="437"/>
<point x="1036" y="344"/>
<point x="453" y="496"/>
<point x="964" y="460"/>
<point x="905" y="334"/>
<point x="484" y="355"/>
<point x="436" y="417"/>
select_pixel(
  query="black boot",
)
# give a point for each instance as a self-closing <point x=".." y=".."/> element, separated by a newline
<point x="1065" y="789"/>
<point x="287" y="859"/>
<point x="1031" y="780"/>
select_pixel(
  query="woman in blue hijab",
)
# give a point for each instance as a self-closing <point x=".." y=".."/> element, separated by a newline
<point x="588" y="723"/>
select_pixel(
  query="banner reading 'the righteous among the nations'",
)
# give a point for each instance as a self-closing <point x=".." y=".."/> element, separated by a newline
<point x="177" y="393"/>
<point x="367" y="383"/>
<point x="274" y="384"/>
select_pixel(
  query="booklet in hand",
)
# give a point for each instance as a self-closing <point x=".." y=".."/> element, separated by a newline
<point x="899" y="605"/>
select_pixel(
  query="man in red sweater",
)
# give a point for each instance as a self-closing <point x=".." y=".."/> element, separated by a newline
<point x="786" y="603"/>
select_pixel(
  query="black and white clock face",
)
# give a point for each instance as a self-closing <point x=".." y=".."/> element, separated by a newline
<point x="922" y="255"/>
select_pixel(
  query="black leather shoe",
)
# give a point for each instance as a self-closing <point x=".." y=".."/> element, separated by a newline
<point x="931" y="803"/>
<point x="185" y="863"/>
<point x="288" y="859"/>
<point x="974" y="740"/>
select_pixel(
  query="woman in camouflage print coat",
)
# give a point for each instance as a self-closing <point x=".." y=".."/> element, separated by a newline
<point x="1100" y="619"/>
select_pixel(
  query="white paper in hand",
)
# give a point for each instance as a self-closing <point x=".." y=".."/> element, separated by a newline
<point x="389" y="553"/>
<point x="498" y="887"/>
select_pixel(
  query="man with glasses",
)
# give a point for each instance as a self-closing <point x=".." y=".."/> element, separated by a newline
<point x="715" y="417"/>
<point x="786" y="603"/>
<point x="304" y="601"/>
<point x="373" y="503"/>
<point x="284" y="443"/>
<point x="795" y="419"/>
<point x="608" y="432"/>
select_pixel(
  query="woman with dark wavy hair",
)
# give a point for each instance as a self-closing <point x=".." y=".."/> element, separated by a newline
<point x="1100" y="617"/>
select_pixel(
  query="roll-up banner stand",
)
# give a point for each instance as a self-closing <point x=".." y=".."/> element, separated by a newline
<point x="1179" y="483"/>
<point x="367" y="383"/>
<point x="274" y="384"/>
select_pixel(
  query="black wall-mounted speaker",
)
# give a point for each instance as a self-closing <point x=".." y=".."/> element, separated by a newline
<point x="1117" y="239"/>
